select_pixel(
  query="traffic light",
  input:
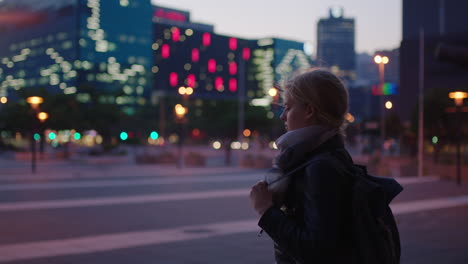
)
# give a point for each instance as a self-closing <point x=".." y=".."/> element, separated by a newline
<point x="52" y="135"/>
<point x="123" y="135"/>
<point x="154" y="135"/>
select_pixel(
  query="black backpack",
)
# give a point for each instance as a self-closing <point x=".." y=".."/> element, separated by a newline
<point x="375" y="232"/>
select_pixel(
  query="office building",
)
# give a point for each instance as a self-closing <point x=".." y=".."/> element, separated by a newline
<point x="336" y="44"/>
<point x="443" y="22"/>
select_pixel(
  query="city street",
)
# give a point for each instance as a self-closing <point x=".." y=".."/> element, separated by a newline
<point x="199" y="217"/>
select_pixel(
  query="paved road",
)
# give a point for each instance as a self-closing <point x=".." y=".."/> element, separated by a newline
<point x="191" y="219"/>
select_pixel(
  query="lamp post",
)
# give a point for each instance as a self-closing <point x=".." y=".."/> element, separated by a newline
<point x="381" y="61"/>
<point x="180" y="112"/>
<point x="458" y="98"/>
<point x="35" y="101"/>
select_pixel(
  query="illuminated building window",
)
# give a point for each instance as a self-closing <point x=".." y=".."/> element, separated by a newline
<point x="67" y="45"/>
<point x="219" y="84"/>
<point x="233" y="68"/>
<point x="246" y="53"/>
<point x="232" y="84"/>
<point x="127" y="89"/>
<point x="165" y="51"/>
<point x="211" y="65"/>
<point x="141" y="81"/>
<point x="140" y="90"/>
<point x="191" y="80"/>
<point x="195" y="55"/>
<point x="175" y="34"/>
<point x="206" y="39"/>
<point x="233" y="43"/>
<point x="173" y="79"/>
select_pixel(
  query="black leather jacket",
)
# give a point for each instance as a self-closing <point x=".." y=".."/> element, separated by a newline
<point x="314" y="225"/>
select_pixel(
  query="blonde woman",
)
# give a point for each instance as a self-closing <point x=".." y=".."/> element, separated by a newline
<point x="308" y="213"/>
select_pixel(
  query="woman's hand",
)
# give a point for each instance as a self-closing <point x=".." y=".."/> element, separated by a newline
<point x="261" y="197"/>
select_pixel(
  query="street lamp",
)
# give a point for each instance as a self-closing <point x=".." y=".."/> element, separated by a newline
<point x="42" y="116"/>
<point x="388" y="105"/>
<point x="180" y="112"/>
<point x="458" y="98"/>
<point x="35" y="101"/>
<point x="381" y="61"/>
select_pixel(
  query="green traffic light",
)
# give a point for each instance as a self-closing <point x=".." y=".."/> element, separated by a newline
<point x="435" y="140"/>
<point x="52" y="135"/>
<point x="77" y="136"/>
<point x="154" y="135"/>
<point x="124" y="136"/>
<point x="37" y="136"/>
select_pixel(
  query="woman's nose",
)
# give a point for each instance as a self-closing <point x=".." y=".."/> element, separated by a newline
<point x="283" y="116"/>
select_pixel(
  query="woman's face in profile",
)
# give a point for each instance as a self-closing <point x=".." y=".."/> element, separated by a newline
<point x="294" y="114"/>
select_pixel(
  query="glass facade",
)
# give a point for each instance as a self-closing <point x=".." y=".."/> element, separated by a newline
<point x="79" y="43"/>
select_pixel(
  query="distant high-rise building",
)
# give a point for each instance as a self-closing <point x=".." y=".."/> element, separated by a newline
<point x="335" y="44"/>
<point x="443" y="22"/>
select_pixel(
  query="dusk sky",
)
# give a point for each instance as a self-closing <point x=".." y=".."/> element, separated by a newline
<point x="378" y="22"/>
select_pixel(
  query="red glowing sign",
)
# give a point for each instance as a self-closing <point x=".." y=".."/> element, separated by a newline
<point x="170" y="15"/>
<point x="195" y="55"/>
<point x="173" y="79"/>
<point x="233" y="68"/>
<point x="246" y="53"/>
<point x="211" y="65"/>
<point x="232" y="85"/>
<point x="219" y="83"/>
<point x="165" y="51"/>
<point x="175" y="34"/>
<point x="233" y="43"/>
<point x="206" y="39"/>
<point x="191" y="80"/>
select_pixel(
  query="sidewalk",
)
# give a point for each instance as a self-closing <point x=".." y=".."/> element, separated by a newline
<point x="56" y="169"/>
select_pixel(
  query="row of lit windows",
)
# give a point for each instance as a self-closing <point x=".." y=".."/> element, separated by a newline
<point x="38" y="41"/>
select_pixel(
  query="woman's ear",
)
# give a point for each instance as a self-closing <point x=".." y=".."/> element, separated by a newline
<point x="310" y="112"/>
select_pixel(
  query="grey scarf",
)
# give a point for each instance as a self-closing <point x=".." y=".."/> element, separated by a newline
<point x="293" y="145"/>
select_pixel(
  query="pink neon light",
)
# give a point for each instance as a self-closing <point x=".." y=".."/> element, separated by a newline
<point x="233" y="43"/>
<point x="195" y="55"/>
<point x="246" y="53"/>
<point x="191" y="80"/>
<point x="173" y="79"/>
<point x="206" y="39"/>
<point x="175" y="34"/>
<point x="232" y="85"/>
<point x="170" y="15"/>
<point x="211" y="65"/>
<point x="219" y="83"/>
<point x="165" y="51"/>
<point x="233" y="68"/>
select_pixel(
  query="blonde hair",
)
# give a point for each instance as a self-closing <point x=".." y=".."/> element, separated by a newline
<point x="323" y="91"/>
